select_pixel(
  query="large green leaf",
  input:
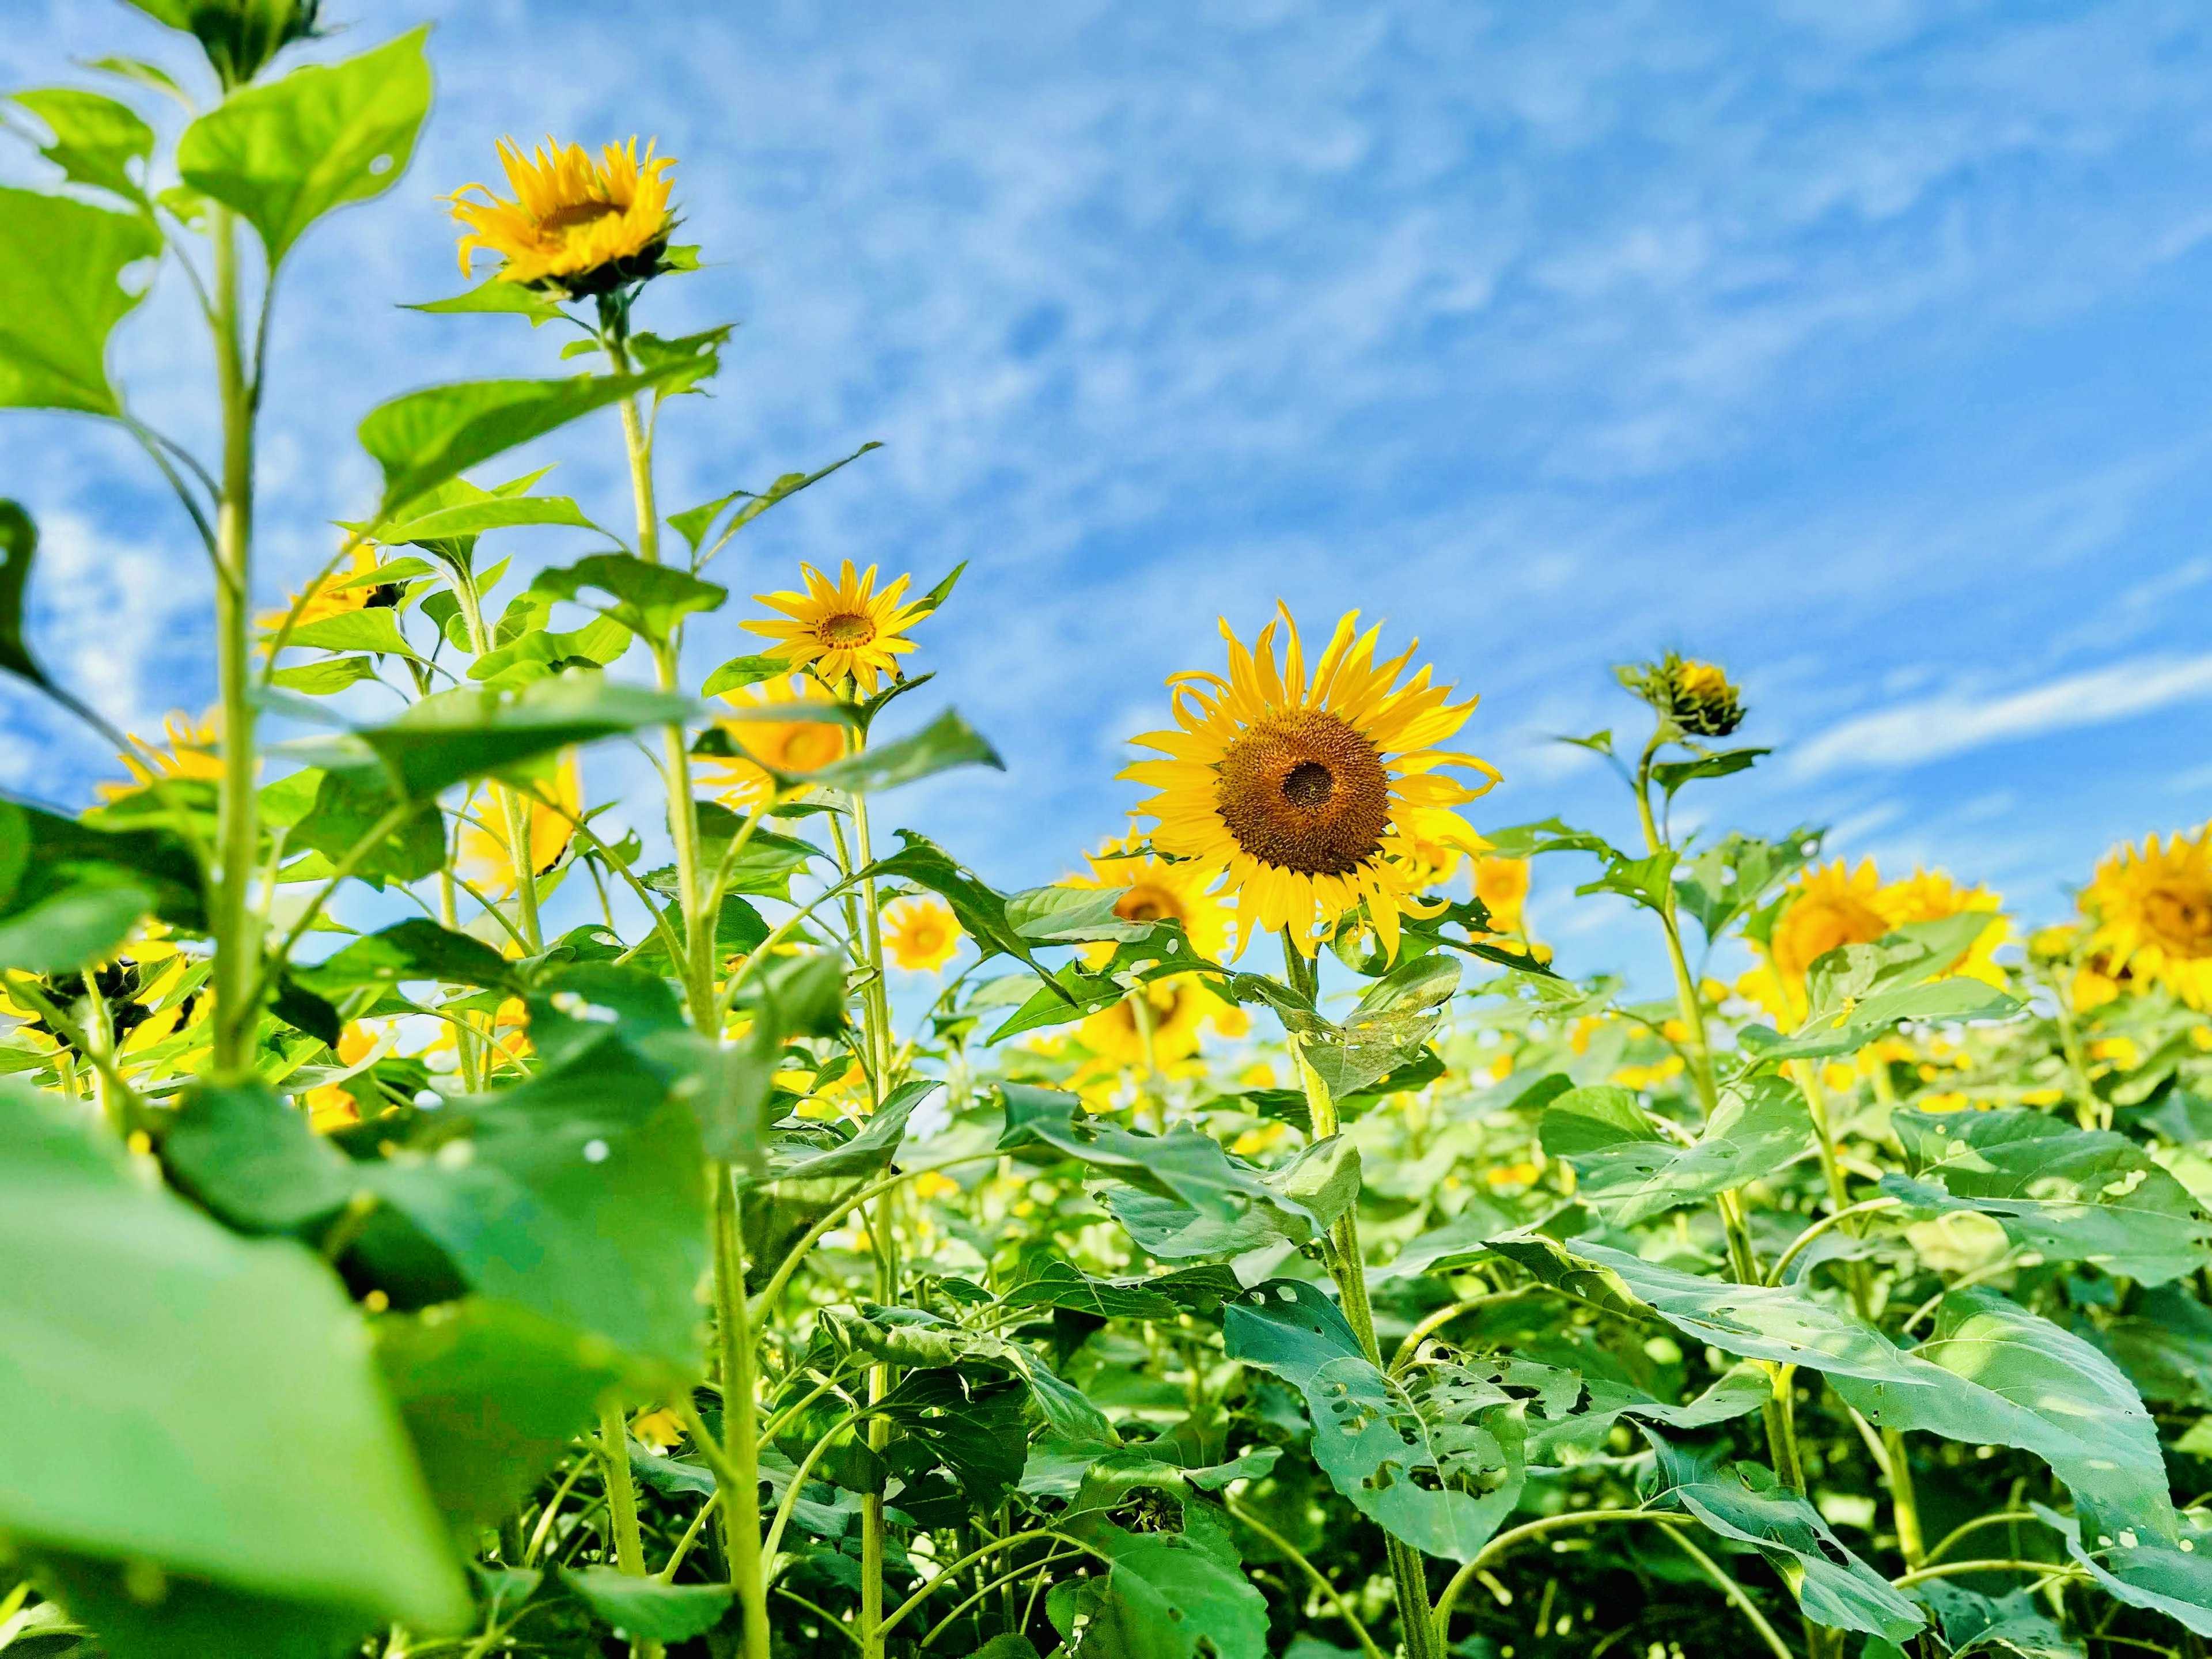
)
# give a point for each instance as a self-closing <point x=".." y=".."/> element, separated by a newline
<point x="946" y="742"/>
<point x="2164" y="1346"/>
<point x="1168" y="1595"/>
<point x="179" y="1354"/>
<point x="645" y="1609"/>
<point x="2072" y="1194"/>
<point x="254" y="1161"/>
<point x="73" y="929"/>
<point x="650" y="599"/>
<point x="61" y="296"/>
<point x="2167" y="1571"/>
<point x="1392" y="1023"/>
<point x="1631" y="1172"/>
<point x="973" y="1430"/>
<point x="430" y="524"/>
<point x="19" y="547"/>
<point x="2008" y="1626"/>
<point x="285" y="153"/>
<point x="373" y="628"/>
<point x="980" y="907"/>
<point x="44" y="854"/>
<point x="1992" y="1373"/>
<point x="94" y="138"/>
<point x="579" y="1196"/>
<point x="867" y="1153"/>
<point x="415" y="948"/>
<point x="492" y="1395"/>
<point x="425" y="438"/>
<point x="1744" y="1502"/>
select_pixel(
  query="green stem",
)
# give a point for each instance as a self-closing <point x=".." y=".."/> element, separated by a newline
<point x="741" y="1536"/>
<point x="1348" y="1266"/>
<point x="515" y="815"/>
<point x="622" y="1490"/>
<point x="237" y="952"/>
<point x="1291" y="1553"/>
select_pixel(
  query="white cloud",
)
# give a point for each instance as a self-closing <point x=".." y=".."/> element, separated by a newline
<point x="1914" y="733"/>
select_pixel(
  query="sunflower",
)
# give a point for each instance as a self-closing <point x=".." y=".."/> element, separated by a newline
<point x="1154" y="890"/>
<point x="1180" y="1006"/>
<point x="575" y="225"/>
<point x="842" y="632"/>
<point x="2153" y="912"/>
<point x="192" y="754"/>
<point x="1502" y="884"/>
<point x="800" y="746"/>
<point x="334" y="595"/>
<point x="1311" y="797"/>
<point x="921" y="934"/>
<point x="487" y="860"/>
<point x="1828" y="905"/>
<point x="1932" y="895"/>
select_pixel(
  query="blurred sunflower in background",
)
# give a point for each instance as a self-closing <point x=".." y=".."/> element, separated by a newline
<point x="1502" y="884"/>
<point x="339" y="593"/>
<point x="1152" y="890"/>
<point x="921" y="934"/>
<point x="2151" y="912"/>
<point x="1310" y="796"/>
<point x="192" y="754"/>
<point x="1828" y="906"/>
<point x="843" y="631"/>
<point x="795" y="745"/>
<point x="485" y="857"/>
<point x="575" y="225"/>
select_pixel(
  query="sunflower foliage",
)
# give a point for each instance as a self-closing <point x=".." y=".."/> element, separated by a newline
<point x="454" y="1206"/>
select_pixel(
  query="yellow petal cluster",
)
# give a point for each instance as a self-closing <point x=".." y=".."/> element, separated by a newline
<point x="574" y="225"/>
<point x="2151" y="911"/>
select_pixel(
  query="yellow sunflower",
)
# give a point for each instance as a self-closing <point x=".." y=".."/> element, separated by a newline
<point x="842" y="631"/>
<point x="1829" y="905"/>
<point x="786" y="745"/>
<point x="334" y="595"/>
<point x="2152" y="911"/>
<point x="1502" y="884"/>
<point x="1312" y="796"/>
<point x="1154" y="890"/>
<point x="921" y="934"/>
<point x="485" y="856"/>
<point x="1933" y="896"/>
<point x="575" y="226"/>
<point x="194" y="753"/>
<point x="1181" y="1008"/>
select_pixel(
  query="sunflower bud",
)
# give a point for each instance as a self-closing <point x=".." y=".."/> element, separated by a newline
<point x="1695" y="697"/>
<point x="239" y="36"/>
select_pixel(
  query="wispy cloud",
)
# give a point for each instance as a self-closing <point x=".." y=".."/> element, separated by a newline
<point x="1911" y="734"/>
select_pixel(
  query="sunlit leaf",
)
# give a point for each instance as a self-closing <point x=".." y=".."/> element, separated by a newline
<point x="61" y="296"/>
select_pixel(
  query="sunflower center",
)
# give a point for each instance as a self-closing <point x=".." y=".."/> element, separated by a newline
<point x="846" y="630"/>
<point x="576" y="216"/>
<point x="2181" y="918"/>
<point x="1304" y="790"/>
<point x="1145" y="902"/>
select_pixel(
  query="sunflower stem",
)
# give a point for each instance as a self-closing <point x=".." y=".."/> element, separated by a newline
<point x="740" y="1512"/>
<point x="515" y="817"/>
<point x="237" y="944"/>
<point x="1347" y="1264"/>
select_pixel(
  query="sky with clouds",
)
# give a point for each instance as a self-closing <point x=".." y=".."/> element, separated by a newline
<point x="1862" y="348"/>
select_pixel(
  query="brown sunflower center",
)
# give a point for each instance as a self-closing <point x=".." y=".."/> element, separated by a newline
<point x="576" y="216"/>
<point x="846" y="630"/>
<point x="2181" y="918"/>
<point x="1145" y="902"/>
<point x="1304" y="790"/>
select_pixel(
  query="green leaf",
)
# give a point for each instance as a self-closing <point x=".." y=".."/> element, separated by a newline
<point x="252" y="1160"/>
<point x="867" y="1153"/>
<point x="18" y="546"/>
<point x="495" y="295"/>
<point x="1672" y="774"/>
<point x="741" y="672"/>
<point x="61" y="296"/>
<point x="974" y="1430"/>
<point x="425" y="438"/>
<point x="415" y="948"/>
<point x="1632" y="1173"/>
<point x="1169" y="1595"/>
<point x="2007" y="1626"/>
<point x="573" y="1007"/>
<point x="946" y="742"/>
<point x="349" y="805"/>
<point x="321" y="680"/>
<point x="980" y="908"/>
<point x="1523" y="841"/>
<point x="1834" y="1587"/>
<point x="372" y="628"/>
<point x="435" y="524"/>
<point x="649" y="599"/>
<point x="537" y="656"/>
<point x="239" y="37"/>
<point x="694" y="523"/>
<point x="1391" y="1024"/>
<point x="577" y="1196"/>
<point x="2168" y="1573"/>
<point x="1049" y="1282"/>
<point x="1847" y="1032"/>
<point x="285" y="153"/>
<point x="73" y="929"/>
<point x="680" y="364"/>
<point x="186" y="1617"/>
<point x="2164" y="1346"/>
<point x="491" y="1394"/>
<point x="45" y="856"/>
<point x="1070" y="915"/>
<point x="94" y="138"/>
<point x="1644" y="880"/>
<point x="2070" y="1195"/>
<point x="451" y="737"/>
<point x="645" y="1609"/>
<point x="180" y="1354"/>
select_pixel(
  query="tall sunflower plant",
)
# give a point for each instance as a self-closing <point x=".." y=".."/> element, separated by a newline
<point x="714" y="1228"/>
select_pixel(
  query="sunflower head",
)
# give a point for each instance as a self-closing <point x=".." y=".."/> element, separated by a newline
<point x="921" y="934"/>
<point x="575" y="226"/>
<point x="1312" y="795"/>
<point x="1502" y="884"/>
<point x="2152" y="911"/>
<point x="1695" y="697"/>
<point x="336" y="594"/>
<point x="843" y="631"/>
<point x="1824" y="907"/>
<point x="774" y="745"/>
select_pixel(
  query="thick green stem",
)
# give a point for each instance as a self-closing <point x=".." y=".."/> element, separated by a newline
<point x="622" y="1490"/>
<point x="237" y="944"/>
<point x="741" y="1533"/>
<point x="1348" y="1266"/>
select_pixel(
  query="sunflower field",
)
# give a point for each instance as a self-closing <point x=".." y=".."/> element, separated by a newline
<point x="442" y="1214"/>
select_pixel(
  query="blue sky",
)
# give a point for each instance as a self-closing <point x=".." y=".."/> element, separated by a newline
<point x="1862" y="348"/>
